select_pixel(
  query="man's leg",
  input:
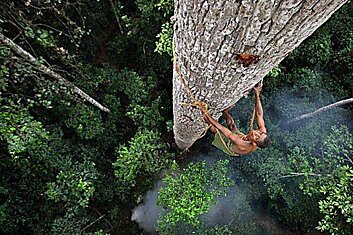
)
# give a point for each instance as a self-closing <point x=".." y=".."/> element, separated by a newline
<point x="213" y="129"/>
<point x="229" y="118"/>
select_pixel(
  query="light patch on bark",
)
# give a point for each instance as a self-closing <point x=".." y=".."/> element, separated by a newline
<point x="207" y="34"/>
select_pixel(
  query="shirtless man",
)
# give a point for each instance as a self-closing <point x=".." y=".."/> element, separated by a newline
<point x="232" y="141"/>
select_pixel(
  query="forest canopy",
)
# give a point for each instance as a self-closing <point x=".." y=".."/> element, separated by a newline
<point x="70" y="167"/>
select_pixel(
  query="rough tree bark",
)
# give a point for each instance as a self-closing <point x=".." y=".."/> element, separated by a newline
<point x="208" y="34"/>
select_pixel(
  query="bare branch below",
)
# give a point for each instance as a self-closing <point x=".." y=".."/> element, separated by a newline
<point x="296" y="174"/>
<point x="321" y="110"/>
<point x="116" y="16"/>
<point x="42" y="68"/>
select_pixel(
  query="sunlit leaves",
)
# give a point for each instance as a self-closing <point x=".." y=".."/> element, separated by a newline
<point x="337" y="206"/>
<point x="144" y="154"/>
<point x="21" y="132"/>
<point x="165" y="39"/>
<point x="74" y="184"/>
<point x="189" y="194"/>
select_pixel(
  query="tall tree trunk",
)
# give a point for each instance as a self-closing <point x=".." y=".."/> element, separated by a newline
<point x="208" y="35"/>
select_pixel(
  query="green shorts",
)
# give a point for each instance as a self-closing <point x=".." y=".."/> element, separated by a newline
<point x="224" y="144"/>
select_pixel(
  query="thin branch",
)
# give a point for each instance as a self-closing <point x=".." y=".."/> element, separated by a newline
<point x="20" y="28"/>
<point x="111" y="226"/>
<point x="116" y="16"/>
<point x="82" y="18"/>
<point x="20" y="33"/>
<point x="50" y="27"/>
<point x="67" y="29"/>
<point x="321" y="110"/>
<point x="42" y="68"/>
<point x="92" y="223"/>
<point x="295" y="174"/>
<point x="349" y="159"/>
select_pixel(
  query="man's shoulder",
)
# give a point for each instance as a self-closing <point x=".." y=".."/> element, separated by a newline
<point x="239" y="140"/>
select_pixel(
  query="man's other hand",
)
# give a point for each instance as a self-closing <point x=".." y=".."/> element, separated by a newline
<point x="258" y="88"/>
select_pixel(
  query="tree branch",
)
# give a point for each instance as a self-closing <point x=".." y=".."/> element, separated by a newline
<point x="296" y="174"/>
<point x="102" y="216"/>
<point x="116" y="16"/>
<point x="42" y="68"/>
<point x="321" y="110"/>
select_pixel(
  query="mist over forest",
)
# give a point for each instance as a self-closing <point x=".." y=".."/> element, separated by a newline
<point x="86" y="130"/>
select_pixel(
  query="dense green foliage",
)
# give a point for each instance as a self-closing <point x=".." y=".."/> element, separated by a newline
<point x="190" y="194"/>
<point x="145" y="156"/>
<point x="69" y="168"/>
<point x="305" y="172"/>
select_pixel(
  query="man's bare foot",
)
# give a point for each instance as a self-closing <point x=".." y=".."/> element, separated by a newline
<point x="229" y="120"/>
<point x="231" y="124"/>
<point x="213" y="129"/>
<point x="258" y="87"/>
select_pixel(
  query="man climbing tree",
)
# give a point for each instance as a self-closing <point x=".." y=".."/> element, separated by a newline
<point x="210" y="38"/>
<point x="231" y="141"/>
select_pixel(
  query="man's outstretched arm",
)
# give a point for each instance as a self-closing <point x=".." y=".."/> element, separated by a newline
<point x="258" y="109"/>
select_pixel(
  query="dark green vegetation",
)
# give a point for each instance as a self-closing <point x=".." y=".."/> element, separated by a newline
<point x="191" y="194"/>
<point x="69" y="168"/>
<point x="306" y="174"/>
